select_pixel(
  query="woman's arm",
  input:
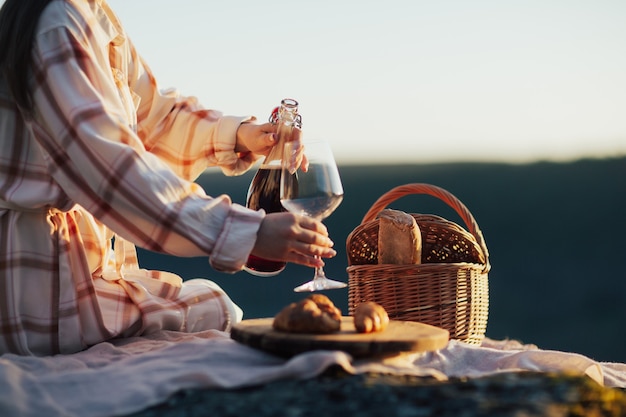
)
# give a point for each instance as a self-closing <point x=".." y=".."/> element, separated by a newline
<point x="85" y="132"/>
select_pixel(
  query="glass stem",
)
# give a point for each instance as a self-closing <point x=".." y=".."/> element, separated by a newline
<point x="320" y="276"/>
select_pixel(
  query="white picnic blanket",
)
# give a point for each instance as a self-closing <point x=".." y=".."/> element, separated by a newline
<point x="113" y="379"/>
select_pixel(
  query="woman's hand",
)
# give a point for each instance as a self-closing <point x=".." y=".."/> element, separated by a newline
<point x="255" y="138"/>
<point x="260" y="138"/>
<point x="293" y="238"/>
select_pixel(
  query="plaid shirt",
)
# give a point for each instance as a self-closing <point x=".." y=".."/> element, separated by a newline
<point x="109" y="159"/>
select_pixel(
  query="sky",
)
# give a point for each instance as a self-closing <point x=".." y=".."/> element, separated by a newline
<point x="404" y="80"/>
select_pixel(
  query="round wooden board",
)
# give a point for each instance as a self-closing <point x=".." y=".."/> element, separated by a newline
<point x="399" y="336"/>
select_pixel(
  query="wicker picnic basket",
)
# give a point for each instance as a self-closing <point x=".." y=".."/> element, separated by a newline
<point x="449" y="289"/>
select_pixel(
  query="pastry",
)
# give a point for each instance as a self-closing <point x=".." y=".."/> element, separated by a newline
<point x="370" y="317"/>
<point x="314" y="314"/>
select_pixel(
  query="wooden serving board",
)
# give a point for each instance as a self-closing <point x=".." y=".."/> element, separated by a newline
<point x="399" y="336"/>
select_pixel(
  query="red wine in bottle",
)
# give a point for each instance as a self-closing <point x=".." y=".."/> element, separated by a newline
<point x="264" y="193"/>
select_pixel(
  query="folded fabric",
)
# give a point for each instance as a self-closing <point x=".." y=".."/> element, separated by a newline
<point x="125" y="376"/>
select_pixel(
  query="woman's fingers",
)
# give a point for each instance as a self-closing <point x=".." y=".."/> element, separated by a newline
<point x="313" y="239"/>
<point x="314" y="249"/>
<point x="310" y="261"/>
<point x="314" y="225"/>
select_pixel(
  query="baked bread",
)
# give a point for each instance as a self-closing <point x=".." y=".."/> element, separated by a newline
<point x="399" y="238"/>
<point x="370" y="317"/>
<point x="314" y="314"/>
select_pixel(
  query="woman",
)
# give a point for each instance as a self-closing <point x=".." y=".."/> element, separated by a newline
<point x="94" y="159"/>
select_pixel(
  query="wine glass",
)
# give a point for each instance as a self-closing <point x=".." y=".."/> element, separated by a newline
<point x="316" y="192"/>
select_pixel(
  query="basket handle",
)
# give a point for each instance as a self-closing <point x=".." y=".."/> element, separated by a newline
<point x="434" y="191"/>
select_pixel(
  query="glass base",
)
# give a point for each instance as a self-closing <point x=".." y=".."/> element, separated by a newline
<point x="319" y="285"/>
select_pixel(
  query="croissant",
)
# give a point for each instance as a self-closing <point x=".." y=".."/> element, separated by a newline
<point x="314" y="314"/>
<point x="370" y="317"/>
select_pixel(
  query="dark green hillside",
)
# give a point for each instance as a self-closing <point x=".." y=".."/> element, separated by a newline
<point x="556" y="233"/>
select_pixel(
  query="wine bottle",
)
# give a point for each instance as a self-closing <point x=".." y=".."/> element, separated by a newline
<point x="264" y="190"/>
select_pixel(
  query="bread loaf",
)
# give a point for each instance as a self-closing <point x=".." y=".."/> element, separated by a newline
<point x="399" y="238"/>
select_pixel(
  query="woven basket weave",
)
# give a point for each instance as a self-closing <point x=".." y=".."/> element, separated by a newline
<point x="449" y="289"/>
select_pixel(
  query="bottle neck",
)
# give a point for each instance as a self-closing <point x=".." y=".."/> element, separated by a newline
<point x="286" y="117"/>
